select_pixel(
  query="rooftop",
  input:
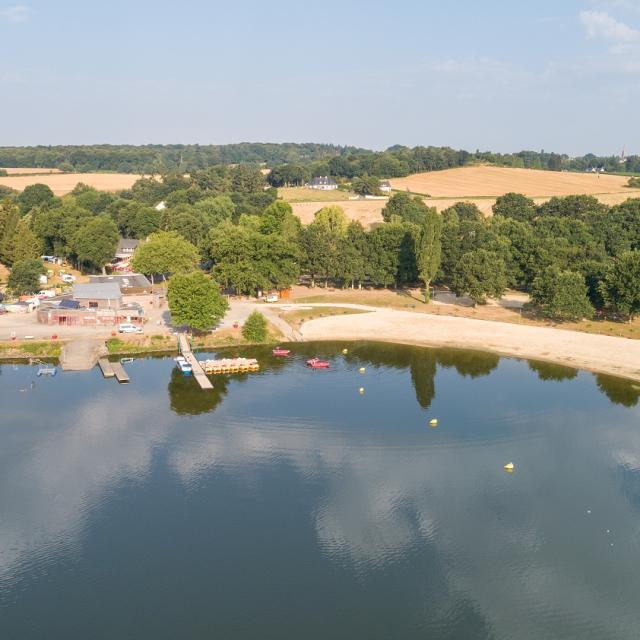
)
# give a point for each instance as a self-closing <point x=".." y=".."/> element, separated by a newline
<point x="97" y="291"/>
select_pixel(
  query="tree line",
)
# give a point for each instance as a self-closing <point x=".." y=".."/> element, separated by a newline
<point x="295" y="163"/>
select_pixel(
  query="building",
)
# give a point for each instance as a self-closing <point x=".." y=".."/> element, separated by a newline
<point x="98" y="295"/>
<point x="322" y="183"/>
<point x="130" y="283"/>
<point x="385" y="186"/>
<point x="124" y="252"/>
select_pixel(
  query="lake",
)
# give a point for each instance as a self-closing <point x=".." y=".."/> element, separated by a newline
<point x="287" y="504"/>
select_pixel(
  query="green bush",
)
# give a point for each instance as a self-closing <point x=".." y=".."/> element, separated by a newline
<point x="255" y="328"/>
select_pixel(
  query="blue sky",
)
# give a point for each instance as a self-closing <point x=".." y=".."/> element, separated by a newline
<point x="498" y="75"/>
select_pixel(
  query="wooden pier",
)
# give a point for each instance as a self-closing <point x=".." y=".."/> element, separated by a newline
<point x="198" y="373"/>
<point x="106" y="368"/>
<point x="118" y="370"/>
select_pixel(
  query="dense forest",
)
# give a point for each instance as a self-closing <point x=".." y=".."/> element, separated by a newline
<point x="294" y="162"/>
<point x="574" y="255"/>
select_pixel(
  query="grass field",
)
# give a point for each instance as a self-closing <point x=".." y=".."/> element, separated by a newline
<point x="301" y="194"/>
<point x="62" y="183"/>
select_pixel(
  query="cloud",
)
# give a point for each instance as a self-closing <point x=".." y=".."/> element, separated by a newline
<point x="17" y="13"/>
<point x="599" y="24"/>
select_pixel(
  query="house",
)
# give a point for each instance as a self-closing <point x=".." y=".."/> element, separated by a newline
<point x="125" y="248"/>
<point x="98" y="295"/>
<point x="385" y="186"/>
<point x="322" y="183"/>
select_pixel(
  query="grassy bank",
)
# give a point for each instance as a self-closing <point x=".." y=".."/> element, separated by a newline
<point x="24" y="350"/>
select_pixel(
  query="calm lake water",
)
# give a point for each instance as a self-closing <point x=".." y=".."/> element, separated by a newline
<point x="287" y="505"/>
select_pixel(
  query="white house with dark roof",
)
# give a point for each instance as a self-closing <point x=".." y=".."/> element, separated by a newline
<point x="385" y="186"/>
<point x="322" y="183"/>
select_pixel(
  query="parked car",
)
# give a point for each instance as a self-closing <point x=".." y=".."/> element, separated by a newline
<point x="127" y="327"/>
<point x="68" y="278"/>
<point x="46" y="293"/>
<point x="272" y="297"/>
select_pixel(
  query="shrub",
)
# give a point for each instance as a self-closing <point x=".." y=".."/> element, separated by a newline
<point x="255" y="328"/>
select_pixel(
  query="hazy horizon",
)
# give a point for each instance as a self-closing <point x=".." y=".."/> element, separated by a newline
<point x="470" y="76"/>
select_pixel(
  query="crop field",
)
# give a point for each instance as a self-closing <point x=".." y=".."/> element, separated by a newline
<point x="28" y="171"/>
<point x="62" y="183"/>
<point x="480" y="186"/>
<point x="487" y="181"/>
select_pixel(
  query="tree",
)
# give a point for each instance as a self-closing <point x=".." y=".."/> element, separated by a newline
<point x="188" y="225"/>
<point x="515" y="206"/>
<point x="9" y="218"/>
<point x="26" y="246"/>
<point x="195" y="301"/>
<point x="216" y="210"/>
<point x="406" y="207"/>
<point x="333" y="219"/>
<point x="621" y="285"/>
<point x="465" y="211"/>
<point x="25" y="277"/>
<point x="34" y="195"/>
<point x="366" y="185"/>
<point x="561" y="294"/>
<point x="165" y="252"/>
<point x="634" y="183"/>
<point x="480" y="274"/>
<point x="255" y="328"/>
<point x="250" y="261"/>
<point x="95" y="242"/>
<point x="429" y="249"/>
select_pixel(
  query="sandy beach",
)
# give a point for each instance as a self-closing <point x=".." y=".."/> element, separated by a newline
<point x="601" y="354"/>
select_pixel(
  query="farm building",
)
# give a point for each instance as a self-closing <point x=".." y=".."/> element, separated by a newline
<point x="98" y="295"/>
<point x="385" y="186"/>
<point x="322" y="183"/>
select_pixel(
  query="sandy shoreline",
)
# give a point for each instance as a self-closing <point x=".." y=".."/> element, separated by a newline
<point x="596" y="353"/>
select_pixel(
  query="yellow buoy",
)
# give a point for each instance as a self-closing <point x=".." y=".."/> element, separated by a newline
<point x="433" y="422"/>
<point x="361" y="391"/>
<point x="361" y="369"/>
<point x="345" y="351"/>
<point x="509" y="467"/>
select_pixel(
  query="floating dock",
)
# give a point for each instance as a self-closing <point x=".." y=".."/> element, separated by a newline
<point x="230" y="365"/>
<point x="198" y="373"/>
<point x="118" y="370"/>
<point x="106" y="368"/>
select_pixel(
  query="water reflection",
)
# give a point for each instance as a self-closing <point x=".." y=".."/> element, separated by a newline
<point x="552" y="371"/>
<point x="620" y="391"/>
<point x="345" y="495"/>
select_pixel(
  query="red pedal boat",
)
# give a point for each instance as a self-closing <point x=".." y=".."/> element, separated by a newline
<point x="316" y="363"/>
<point x="279" y="351"/>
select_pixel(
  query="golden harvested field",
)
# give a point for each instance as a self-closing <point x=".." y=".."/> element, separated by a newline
<point x="480" y="186"/>
<point x="62" y="183"/>
<point x="302" y="194"/>
<point x="487" y="181"/>
<point x="26" y="171"/>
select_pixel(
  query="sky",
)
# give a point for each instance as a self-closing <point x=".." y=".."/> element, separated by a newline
<point x="493" y="75"/>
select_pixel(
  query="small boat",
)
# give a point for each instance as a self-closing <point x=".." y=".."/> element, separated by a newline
<point x="183" y="365"/>
<point x="46" y="371"/>
<point x="279" y="351"/>
<point x="316" y="363"/>
<point x="126" y="360"/>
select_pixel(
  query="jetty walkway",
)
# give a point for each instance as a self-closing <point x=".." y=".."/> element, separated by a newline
<point x="198" y="373"/>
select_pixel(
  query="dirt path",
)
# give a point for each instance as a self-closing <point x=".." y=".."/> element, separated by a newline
<point x="603" y="354"/>
<point x="81" y="354"/>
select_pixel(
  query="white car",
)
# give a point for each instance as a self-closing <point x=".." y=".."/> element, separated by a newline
<point x="127" y="327"/>
<point x="68" y="278"/>
<point x="272" y="297"/>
